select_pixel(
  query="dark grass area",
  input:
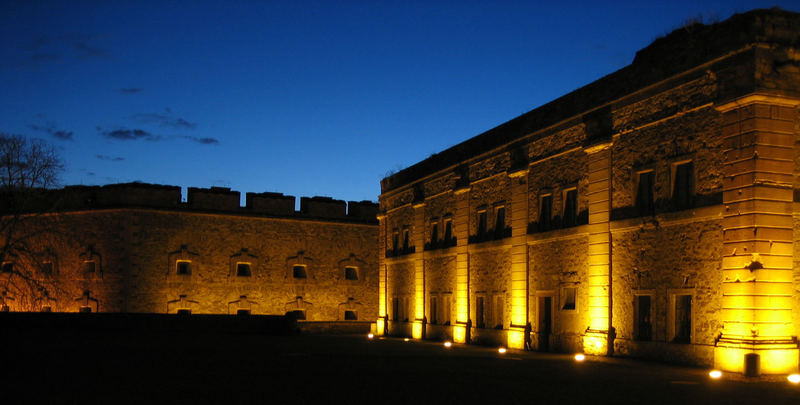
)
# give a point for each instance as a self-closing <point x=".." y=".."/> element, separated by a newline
<point x="108" y="367"/>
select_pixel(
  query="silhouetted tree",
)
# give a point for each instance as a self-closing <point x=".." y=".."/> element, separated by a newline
<point x="29" y="170"/>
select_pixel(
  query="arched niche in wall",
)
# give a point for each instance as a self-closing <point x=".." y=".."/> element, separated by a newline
<point x="183" y="265"/>
<point x="352" y="270"/>
<point x="301" y="269"/>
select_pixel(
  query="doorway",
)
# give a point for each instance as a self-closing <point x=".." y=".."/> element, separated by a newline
<point x="545" y="328"/>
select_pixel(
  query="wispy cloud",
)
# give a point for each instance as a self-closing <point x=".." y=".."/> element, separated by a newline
<point x="50" y="128"/>
<point x="203" y="141"/>
<point x="125" y="134"/>
<point x="130" y="90"/>
<point x="84" y="50"/>
<point x="110" y="158"/>
<point x="165" y="120"/>
<point x="42" y="50"/>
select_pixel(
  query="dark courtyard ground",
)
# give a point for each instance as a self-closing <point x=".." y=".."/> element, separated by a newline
<point x="113" y="368"/>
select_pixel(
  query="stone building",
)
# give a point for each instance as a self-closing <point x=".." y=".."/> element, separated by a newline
<point x="138" y="248"/>
<point x="651" y="213"/>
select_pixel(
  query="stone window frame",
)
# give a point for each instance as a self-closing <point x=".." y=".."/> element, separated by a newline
<point x="396" y="240"/>
<point x="90" y="255"/>
<point x="540" y="295"/>
<point x="183" y="254"/>
<point x="673" y="168"/>
<point x="242" y="303"/>
<point x="446" y="310"/>
<point x="433" y="308"/>
<point x="434" y="225"/>
<point x="301" y="259"/>
<point x="243" y="256"/>
<point x="181" y="305"/>
<point x="187" y="272"/>
<point x="542" y="195"/>
<point x="350" y="305"/>
<point x="636" y="180"/>
<point x="352" y="261"/>
<point x="481" y="296"/>
<point x="672" y="294"/>
<point x="564" y="192"/>
<point x="635" y="324"/>
<point x="481" y="220"/>
<point x="448" y="218"/>
<point x="563" y="297"/>
<point x="300" y="304"/>
<point x="496" y="208"/>
<point x="498" y="308"/>
<point x="86" y="300"/>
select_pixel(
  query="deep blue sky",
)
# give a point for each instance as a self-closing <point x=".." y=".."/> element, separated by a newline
<point x="300" y="97"/>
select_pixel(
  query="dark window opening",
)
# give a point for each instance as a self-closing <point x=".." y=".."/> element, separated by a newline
<point x="184" y="311"/>
<point x="683" y="187"/>
<point x="448" y="230"/>
<point x="571" y="207"/>
<point x="500" y="222"/>
<point x="85" y="310"/>
<point x="481" y="223"/>
<point x="434" y="233"/>
<point x="644" y="195"/>
<point x="8" y="267"/>
<point x="89" y="267"/>
<point x="299" y="272"/>
<point x="299" y="315"/>
<point x="350" y="273"/>
<point x="569" y="298"/>
<point x="480" y="313"/>
<point x="406" y="242"/>
<point x="243" y="270"/>
<point x="643" y="329"/>
<point x="434" y="311"/>
<point x="243" y="312"/>
<point x="184" y="268"/>
<point x="395" y="309"/>
<point x="545" y="212"/>
<point x="350" y="316"/>
<point x="47" y="268"/>
<point x="683" y="319"/>
<point x="395" y="242"/>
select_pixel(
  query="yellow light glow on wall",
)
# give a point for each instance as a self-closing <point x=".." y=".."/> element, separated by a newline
<point x="459" y="334"/>
<point x="379" y="327"/>
<point x="416" y="330"/>
<point x="595" y="343"/>
<point x="774" y="360"/>
<point x="516" y="338"/>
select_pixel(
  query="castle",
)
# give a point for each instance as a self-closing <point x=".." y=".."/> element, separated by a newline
<point x="652" y="213"/>
<point x="137" y="248"/>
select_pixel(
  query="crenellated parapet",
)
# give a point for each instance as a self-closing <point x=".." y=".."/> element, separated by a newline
<point x="214" y="199"/>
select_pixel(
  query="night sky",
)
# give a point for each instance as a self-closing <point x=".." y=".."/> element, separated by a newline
<point x="304" y="98"/>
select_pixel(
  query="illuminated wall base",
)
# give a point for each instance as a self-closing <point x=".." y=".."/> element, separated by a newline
<point x="380" y="326"/>
<point x="776" y="358"/>
<point x="516" y="338"/>
<point x="595" y="342"/>
<point x="416" y="330"/>
<point x="460" y="333"/>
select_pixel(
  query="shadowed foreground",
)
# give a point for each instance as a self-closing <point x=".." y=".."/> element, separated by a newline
<point x="109" y="367"/>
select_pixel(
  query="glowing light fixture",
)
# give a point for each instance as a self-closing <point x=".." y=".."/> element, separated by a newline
<point x="580" y="357"/>
<point x="501" y="350"/>
<point x="405" y="339"/>
<point x="370" y="336"/>
<point x="447" y="344"/>
<point x="794" y="378"/>
<point x="715" y="374"/>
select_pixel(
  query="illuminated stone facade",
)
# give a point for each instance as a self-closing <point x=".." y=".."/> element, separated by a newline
<point x="652" y="213"/>
<point x="138" y="248"/>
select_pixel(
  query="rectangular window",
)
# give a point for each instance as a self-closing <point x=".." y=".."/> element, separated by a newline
<point x="642" y="327"/>
<point x="683" y="185"/>
<point x="448" y="229"/>
<point x="243" y="269"/>
<point x="406" y="310"/>
<point x="545" y="211"/>
<point x="406" y="241"/>
<point x="184" y="311"/>
<point x="47" y="268"/>
<point x="571" y="207"/>
<point x="434" y="233"/>
<point x="395" y="241"/>
<point x="299" y="272"/>
<point x="8" y="267"/>
<point x="242" y="312"/>
<point x="480" y="312"/>
<point x="569" y="298"/>
<point x="644" y="195"/>
<point x="350" y="273"/>
<point x="446" y="309"/>
<point x="481" y="222"/>
<point x="89" y="267"/>
<point x="498" y="312"/>
<point x="395" y="309"/>
<point x="350" y="316"/>
<point x="500" y="222"/>
<point x="434" y="307"/>
<point x="184" y="268"/>
<point x="683" y="319"/>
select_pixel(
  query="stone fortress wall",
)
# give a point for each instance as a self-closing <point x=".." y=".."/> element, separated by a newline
<point x="649" y="213"/>
<point x="137" y="248"/>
